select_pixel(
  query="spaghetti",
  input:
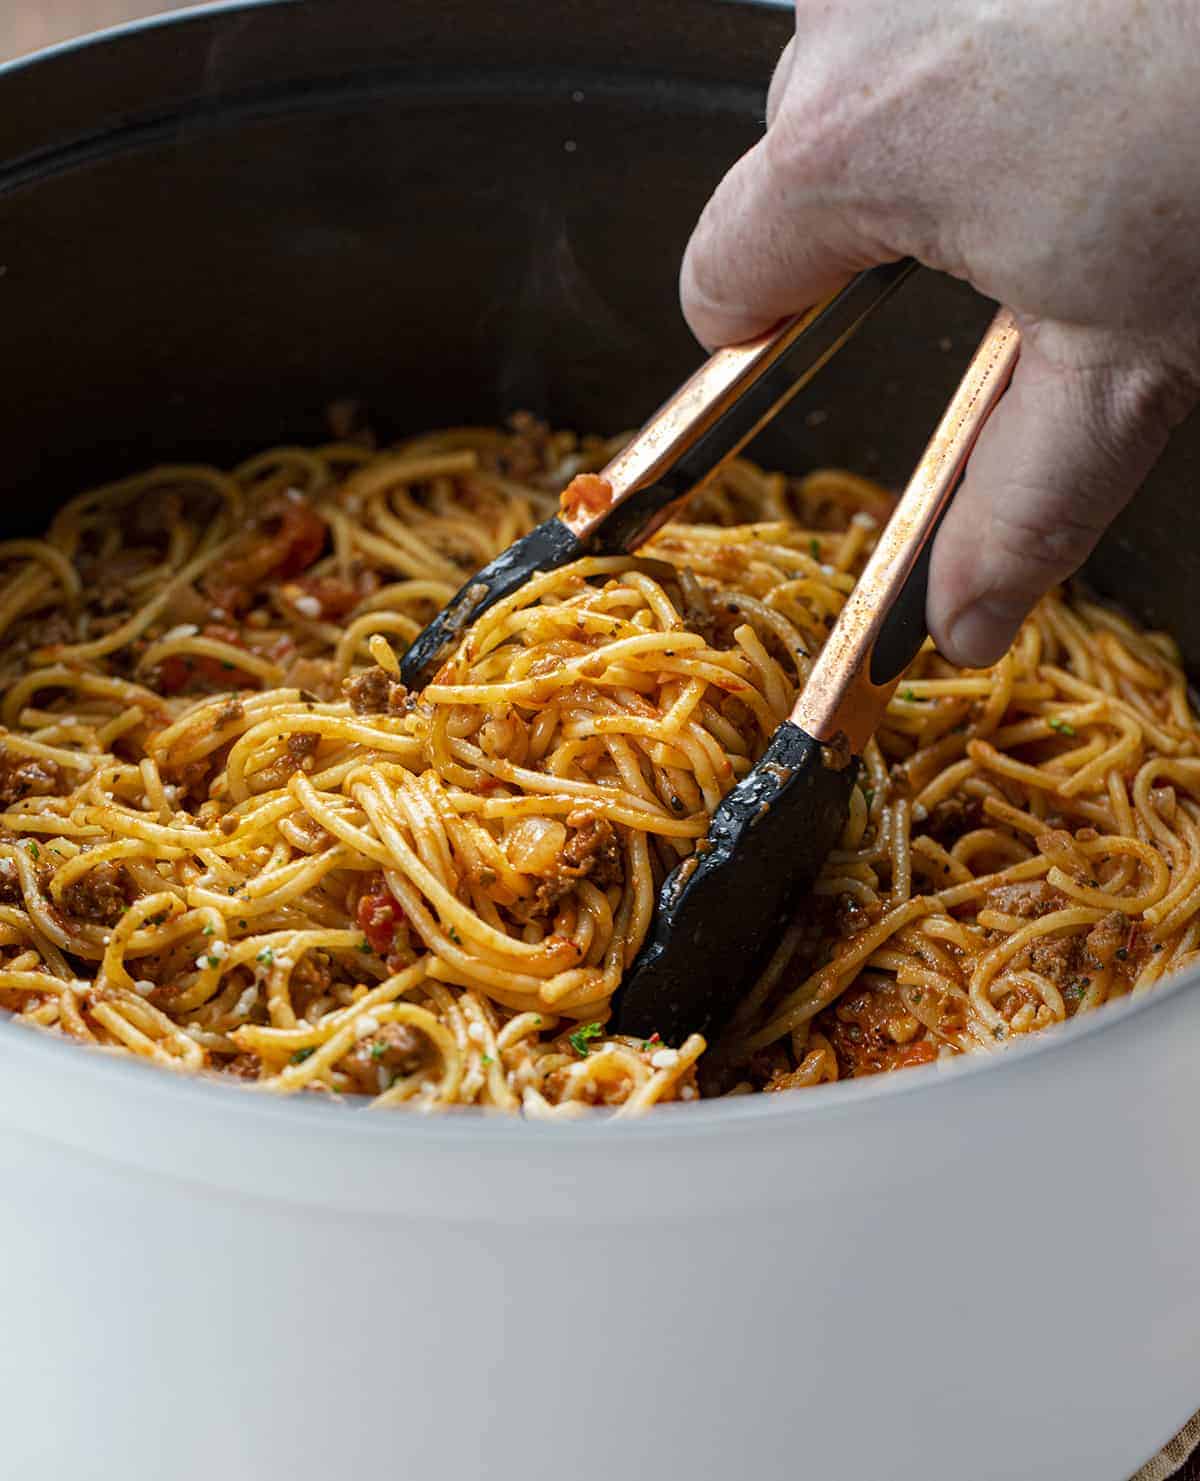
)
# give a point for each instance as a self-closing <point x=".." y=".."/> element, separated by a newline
<point x="232" y="842"/>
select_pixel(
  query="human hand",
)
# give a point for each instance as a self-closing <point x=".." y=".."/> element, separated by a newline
<point x="1049" y="154"/>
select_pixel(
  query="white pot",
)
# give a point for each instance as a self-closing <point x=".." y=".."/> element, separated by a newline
<point x="989" y="1272"/>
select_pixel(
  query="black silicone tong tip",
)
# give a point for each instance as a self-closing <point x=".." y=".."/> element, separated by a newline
<point x="545" y="548"/>
<point x="720" y="911"/>
<point x="768" y="840"/>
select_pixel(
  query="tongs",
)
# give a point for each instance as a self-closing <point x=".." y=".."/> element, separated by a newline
<point x="719" y="912"/>
<point x="687" y="440"/>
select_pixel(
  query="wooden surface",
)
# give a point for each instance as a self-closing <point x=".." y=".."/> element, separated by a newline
<point x="26" y="25"/>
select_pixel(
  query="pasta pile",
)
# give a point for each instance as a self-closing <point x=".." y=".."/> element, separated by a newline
<point x="233" y="842"/>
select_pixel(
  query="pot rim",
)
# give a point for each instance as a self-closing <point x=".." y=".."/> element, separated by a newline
<point x="110" y="1071"/>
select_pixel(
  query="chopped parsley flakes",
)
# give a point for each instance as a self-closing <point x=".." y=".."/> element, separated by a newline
<point x="1060" y="725"/>
<point x="266" y="956"/>
<point x="581" y="1037"/>
<point x="302" y="1054"/>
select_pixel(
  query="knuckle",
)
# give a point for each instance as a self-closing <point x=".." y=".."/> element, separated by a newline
<point x="1125" y="395"/>
<point x="1140" y="404"/>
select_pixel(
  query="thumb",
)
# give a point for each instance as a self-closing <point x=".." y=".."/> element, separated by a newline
<point x="1079" y="428"/>
<point x="766" y="245"/>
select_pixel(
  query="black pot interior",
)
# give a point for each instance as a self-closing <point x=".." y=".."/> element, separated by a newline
<point x="211" y="228"/>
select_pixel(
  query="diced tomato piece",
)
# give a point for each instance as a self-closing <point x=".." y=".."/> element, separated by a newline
<point x="379" y="916"/>
<point x="301" y="538"/>
<point x="266" y="554"/>
<point x="176" y="674"/>
<point x="337" y="598"/>
<point x="180" y="672"/>
<point x="587" y="493"/>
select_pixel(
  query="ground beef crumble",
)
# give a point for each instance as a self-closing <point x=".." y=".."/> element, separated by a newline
<point x="26" y="776"/>
<point x="1108" y="937"/>
<point x="310" y="981"/>
<point x="101" y="895"/>
<point x="375" y="692"/>
<point x="301" y="745"/>
<point x="871" y="1030"/>
<point x="397" y="1049"/>
<point x="1029" y="899"/>
<point x="949" y="820"/>
<point x="592" y="851"/>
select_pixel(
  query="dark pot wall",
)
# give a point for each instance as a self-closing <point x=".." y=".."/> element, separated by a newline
<point x="211" y="228"/>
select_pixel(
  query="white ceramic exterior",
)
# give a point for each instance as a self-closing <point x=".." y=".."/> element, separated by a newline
<point x="985" y="1273"/>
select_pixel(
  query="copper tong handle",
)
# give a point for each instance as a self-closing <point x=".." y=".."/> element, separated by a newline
<point x="680" y="422"/>
<point x="724" y="403"/>
<point x="882" y="626"/>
